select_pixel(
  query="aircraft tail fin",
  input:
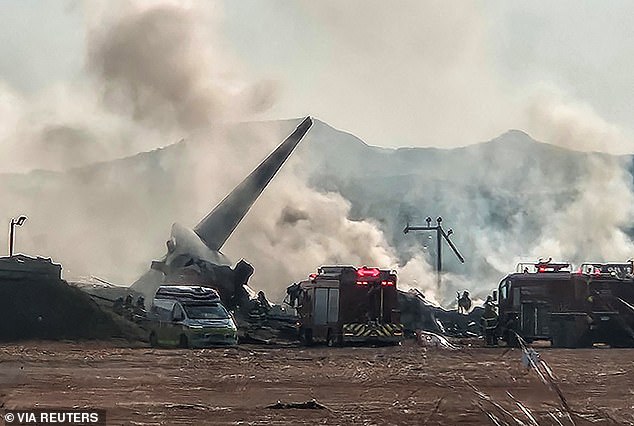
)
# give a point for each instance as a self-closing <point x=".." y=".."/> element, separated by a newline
<point x="218" y="225"/>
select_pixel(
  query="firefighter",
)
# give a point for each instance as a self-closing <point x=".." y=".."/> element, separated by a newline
<point x="464" y="302"/>
<point x="139" y="308"/>
<point x="294" y="293"/>
<point x="259" y="308"/>
<point x="128" y="308"/>
<point x="117" y="307"/>
<point x="489" y="322"/>
<point x="266" y="306"/>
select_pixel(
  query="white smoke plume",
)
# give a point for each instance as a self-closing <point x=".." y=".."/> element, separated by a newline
<point x="554" y="117"/>
<point x="297" y="229"/>
<point x="591" y="222"/>
<point x="593" y="225"/>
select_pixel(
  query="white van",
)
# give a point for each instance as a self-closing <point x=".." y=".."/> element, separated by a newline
<point x="190" y="317"/>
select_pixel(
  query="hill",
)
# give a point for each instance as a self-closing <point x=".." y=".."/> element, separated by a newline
<point x="505" y="198"/>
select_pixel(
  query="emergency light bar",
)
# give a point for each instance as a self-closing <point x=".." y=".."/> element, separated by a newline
<point x="541" y="267"/>
<point x="368" y="272"/>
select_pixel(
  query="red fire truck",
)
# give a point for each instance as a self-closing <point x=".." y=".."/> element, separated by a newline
<point x="526" y="298"/>
<point x="344" y="304"/>
<point x="598" y="307"/>
<point x="548" y="301"/>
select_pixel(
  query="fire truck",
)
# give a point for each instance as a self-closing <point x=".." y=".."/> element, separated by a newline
<point x="597" y="307"/>
<point x="344" y="304"/>
<point x="548" y="301"/>
<point x="525" y="300"/>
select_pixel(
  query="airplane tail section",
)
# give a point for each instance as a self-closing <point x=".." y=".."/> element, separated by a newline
<point x="218" y="225"/>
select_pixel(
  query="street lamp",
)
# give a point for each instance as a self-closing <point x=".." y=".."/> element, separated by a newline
<point x="19" y="222"/>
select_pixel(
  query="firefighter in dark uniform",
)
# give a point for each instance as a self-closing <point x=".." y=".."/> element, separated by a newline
<point x="489" y="321"/>
<point x="128" y="308"/>
<point x="139" y="309"/>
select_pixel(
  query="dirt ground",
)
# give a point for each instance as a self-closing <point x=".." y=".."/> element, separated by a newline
<point x="360" y="385"/>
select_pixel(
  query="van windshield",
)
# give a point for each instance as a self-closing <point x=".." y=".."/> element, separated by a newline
<point x="213" y="311"/>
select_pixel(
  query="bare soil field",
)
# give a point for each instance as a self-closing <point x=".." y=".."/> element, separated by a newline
<point x="360" y="385"/>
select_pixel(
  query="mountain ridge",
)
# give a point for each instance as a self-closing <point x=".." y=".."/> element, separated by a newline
<point x="500" y="196"/>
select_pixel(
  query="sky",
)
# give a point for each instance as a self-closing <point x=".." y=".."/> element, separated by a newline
<point x="408" y="73"/>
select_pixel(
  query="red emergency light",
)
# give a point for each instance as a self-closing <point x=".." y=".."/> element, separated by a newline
<point x="312" y="276"/>
<point x="368" y="272"/>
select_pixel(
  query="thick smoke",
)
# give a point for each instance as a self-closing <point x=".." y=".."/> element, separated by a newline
<point x="155" y="69"/>
<point x="152" y="78"/>
<point x="297" y="229"/>
<point x="592" y="226"/>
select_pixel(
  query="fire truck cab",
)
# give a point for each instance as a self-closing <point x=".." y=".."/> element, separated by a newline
<point x="344" y="304"/>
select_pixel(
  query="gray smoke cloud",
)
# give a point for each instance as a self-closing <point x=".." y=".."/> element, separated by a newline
<point x="311" y="229"/>
<point x="152" y="78"/>
<point x="154" y="68"/>
<point x="593" y="225"/>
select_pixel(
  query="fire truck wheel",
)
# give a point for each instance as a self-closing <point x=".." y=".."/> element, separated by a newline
<point x="333" y="339"/>
<point x="621" y="342"/>
<point x="511" y="340"/>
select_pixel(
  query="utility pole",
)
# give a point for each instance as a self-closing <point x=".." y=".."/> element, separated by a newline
<point x="440" y="234"/>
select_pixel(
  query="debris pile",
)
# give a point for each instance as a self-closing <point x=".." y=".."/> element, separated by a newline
<point x="418" y="313"/>
<point x="276" y="325"/>
<point x="308" y="405"/>
<point x="433" y="340"/>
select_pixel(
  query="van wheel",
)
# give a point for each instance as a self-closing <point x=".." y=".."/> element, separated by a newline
<point x="183" y="343"/>
<point x="307" y="337"/>
<point x="153" y="340"/>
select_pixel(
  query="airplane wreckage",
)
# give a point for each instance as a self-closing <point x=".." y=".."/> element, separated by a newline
<point x="194" y="256"/>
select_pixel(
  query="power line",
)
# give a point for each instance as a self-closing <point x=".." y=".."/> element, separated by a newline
<point x="440" y="235"/>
